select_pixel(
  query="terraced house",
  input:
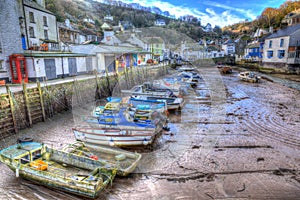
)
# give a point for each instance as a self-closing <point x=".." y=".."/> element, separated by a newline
<point x="281" y="50"/>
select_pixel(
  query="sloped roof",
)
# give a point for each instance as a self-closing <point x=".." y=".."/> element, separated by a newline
<point x="229" y="41"/>
<point x="106" y="26"/>
<point x="111" y="40"/>
<point x="285" y="32"/>
<point x="93" y="49"/>
<point x="36" y="6"/>
<point x="63" y="26"/>
<point x="254" y="45"/>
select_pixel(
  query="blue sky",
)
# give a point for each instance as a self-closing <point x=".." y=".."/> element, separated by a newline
<point x="215" y="12"/>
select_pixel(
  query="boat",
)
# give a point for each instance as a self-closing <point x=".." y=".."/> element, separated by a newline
<point x="189" y="78"/>
<point x="173" y="103"/>
<point x="149" y="104"/>
<point x="225" y="69"/>
<point x="127" y="127"/>
<point x="148" y="89"/>
<point x="58" y="169"/>
<point x="249" y="76"/>
<point x="124" y="161"/>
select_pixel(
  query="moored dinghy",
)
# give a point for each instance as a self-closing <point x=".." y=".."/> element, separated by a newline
<point x="124" y="161"/>
<point x="57" y="169"/>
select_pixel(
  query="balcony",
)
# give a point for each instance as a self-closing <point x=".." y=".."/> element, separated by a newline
<point x="294" y="57"/>
<point x="293" y="60"/>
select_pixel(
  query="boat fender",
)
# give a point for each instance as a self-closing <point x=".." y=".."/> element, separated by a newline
<point x="17" y="172"/>
<point x="94" y="157"/>
<point x="145" y="142"/>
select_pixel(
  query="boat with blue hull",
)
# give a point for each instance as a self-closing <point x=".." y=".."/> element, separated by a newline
<point x="123" y="125"/>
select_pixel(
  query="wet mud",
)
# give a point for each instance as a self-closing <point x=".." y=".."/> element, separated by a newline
<point x="231" y="140"/>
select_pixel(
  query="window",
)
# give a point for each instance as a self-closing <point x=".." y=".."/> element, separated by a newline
<point x="45" y="21"/>
<point x="31" y="32"/>
<point x="269" y="54"/>
<point x="281" y="42"/>
<point x="281" y="53"/>
<point x="25" y="159"/>
<point x="270" y="44"/>
<point x="31" y="17"/>
<point x="46" y="34"/>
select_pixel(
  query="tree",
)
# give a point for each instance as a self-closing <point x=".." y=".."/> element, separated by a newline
<point x="269" y="15"/>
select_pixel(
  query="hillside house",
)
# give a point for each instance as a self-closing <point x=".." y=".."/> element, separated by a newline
<point x="253" y="51"/>
<point x="292" y="18"/>
<point x="282" y="49"/>
<point x="229" y="47"/>
<point x="88" y="36"/>
<point x="155" y="45"/>
<point x="67" y="34"/>
<point x="160" y="22"/>
<point x="40" y="27"/>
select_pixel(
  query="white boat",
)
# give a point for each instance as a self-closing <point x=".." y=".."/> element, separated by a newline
<point x="148" y="89"/>
<point x="249" y="76"/>
<point x="114" y="136"/>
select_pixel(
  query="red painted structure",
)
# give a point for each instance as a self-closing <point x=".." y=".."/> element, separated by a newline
<point x="18" y="68"/>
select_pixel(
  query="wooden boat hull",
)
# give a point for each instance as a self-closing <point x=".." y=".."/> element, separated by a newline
<point x="65" y="171"/>
<point x="114" y="137"/>
<point x="124" y="161"/>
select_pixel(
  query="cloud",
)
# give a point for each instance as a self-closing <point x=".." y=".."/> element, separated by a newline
<point x="209" y="15"/>
<point x="245" y="12"/>
<point x="221" y="19"/>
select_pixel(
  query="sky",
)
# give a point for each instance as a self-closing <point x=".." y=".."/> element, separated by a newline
<point x="215" y="12"/>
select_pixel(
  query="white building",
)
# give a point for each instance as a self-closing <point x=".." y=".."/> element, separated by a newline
<point x="282" y="50"/>
<point x="40" y="25"/>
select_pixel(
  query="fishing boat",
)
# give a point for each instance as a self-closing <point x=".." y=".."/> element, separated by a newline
<point x="122" y="130"/>
<point x="249" y="76"/>
<point x="173" y="103"/>
<point x="135" y="104"/>
<point x="147" y="89"/>
<point x="58" y="169"/>
<point x="124" y="161"/>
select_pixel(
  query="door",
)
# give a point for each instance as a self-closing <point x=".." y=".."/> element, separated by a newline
<point x="50" y="68"/>
<point x="110" y="63"/>
<point x="89" y="64"/>
<point x="72" y="66"/>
